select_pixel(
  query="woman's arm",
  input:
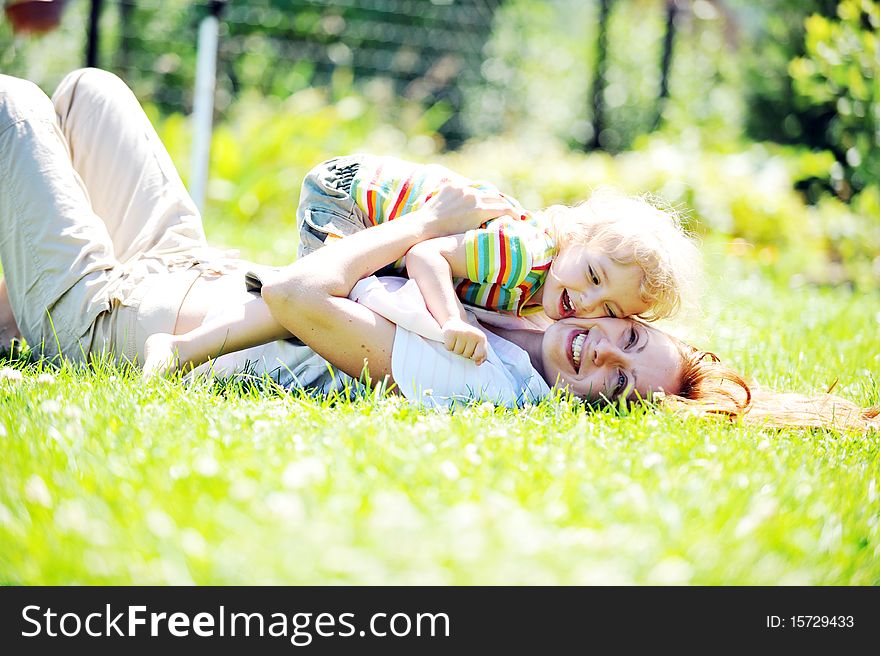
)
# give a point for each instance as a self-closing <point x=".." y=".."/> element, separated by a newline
<point x="309" y="297"/>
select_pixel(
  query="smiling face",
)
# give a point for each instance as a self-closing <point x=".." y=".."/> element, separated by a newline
<point x="610" y="358"/>
<point x="586" y="283"/>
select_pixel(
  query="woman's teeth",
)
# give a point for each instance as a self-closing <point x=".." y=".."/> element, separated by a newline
<point x="576" y="345"/>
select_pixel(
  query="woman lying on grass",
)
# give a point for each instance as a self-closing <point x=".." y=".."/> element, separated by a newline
<point x="102" y="248"/>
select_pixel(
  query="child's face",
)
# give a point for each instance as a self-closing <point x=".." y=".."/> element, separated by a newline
<point x="584" y="282"/>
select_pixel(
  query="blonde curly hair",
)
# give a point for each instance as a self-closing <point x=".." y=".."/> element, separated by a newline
<point x="640" y="230"/>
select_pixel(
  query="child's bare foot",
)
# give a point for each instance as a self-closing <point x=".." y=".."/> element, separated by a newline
<point x="160" y="355"/>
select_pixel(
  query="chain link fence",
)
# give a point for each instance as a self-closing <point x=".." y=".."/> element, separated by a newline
<point x="593" y="73"/>
<point x="426" y="50"/>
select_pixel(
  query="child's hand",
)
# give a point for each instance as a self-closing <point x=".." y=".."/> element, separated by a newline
<point x="457" y="208"/>
<point x="464" y="339"/>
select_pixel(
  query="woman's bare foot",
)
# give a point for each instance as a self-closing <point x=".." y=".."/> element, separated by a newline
<point x="8" y="328"/>
<point x="160" y="355"/>
<point x="9" y="336"/>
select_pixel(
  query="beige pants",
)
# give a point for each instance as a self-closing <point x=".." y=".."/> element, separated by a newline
<point x="98" y="235"/>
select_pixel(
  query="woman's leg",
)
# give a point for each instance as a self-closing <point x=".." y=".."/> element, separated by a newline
<point x="131" y="180"/>
<point x="57" y="256"/>
<point x="241" y="326"/>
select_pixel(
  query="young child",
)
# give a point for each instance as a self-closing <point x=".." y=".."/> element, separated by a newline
<point x="612" y="256"/>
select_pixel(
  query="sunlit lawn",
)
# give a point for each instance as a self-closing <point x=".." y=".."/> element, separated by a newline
<point x="106" y="480"/>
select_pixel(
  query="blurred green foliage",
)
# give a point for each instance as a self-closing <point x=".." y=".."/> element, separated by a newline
<point x="263" y="149"/>
<point x="841" y="68"/>
<point x="539" y="72"/>
<point x="537" y="76"/>
<point x="745" y="195"/>
<point x="774" y="32"/>
<point x="421" y="50"/>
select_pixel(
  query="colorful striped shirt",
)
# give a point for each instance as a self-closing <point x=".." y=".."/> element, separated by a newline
<point x="507" y="258"/>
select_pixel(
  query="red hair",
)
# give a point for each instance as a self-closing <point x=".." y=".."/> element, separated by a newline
<point x="708" y="387"/>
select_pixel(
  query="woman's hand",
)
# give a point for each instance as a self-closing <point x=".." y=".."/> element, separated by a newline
<point x="457" y="208"/>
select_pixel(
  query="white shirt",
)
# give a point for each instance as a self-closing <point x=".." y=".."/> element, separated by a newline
<point x="423" y="369"/>
<point x="430" y="375"/>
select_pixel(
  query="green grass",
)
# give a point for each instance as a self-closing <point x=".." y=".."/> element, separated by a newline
<point x="104" y="480"/>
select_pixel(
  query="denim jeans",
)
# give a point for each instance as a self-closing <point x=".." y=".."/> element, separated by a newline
<point x="326" y="208"/>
